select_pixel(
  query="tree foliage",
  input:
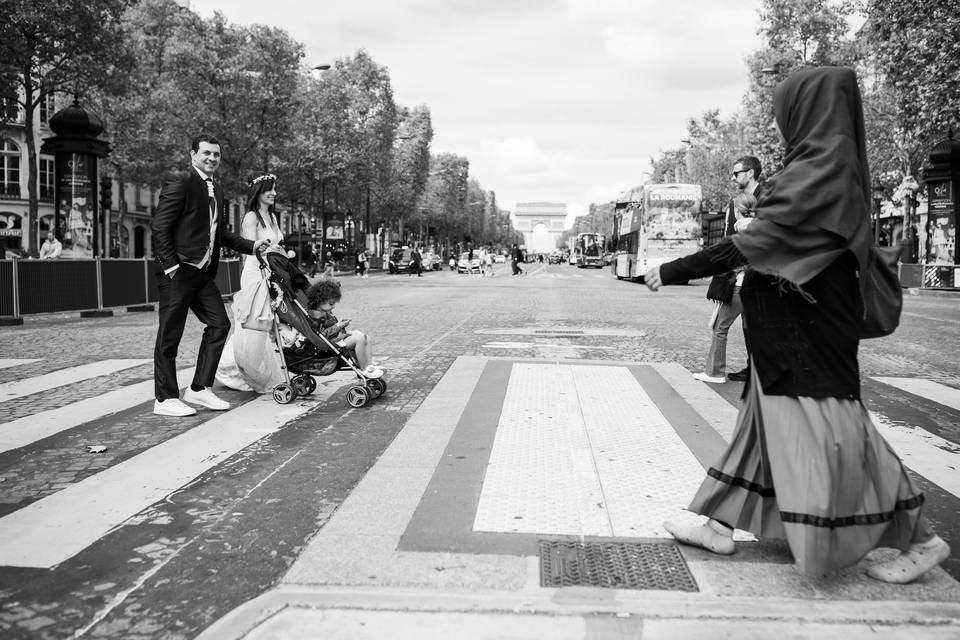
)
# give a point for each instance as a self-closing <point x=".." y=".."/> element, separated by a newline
<point x="56" y="46"/>
<point x="916" y="53"/>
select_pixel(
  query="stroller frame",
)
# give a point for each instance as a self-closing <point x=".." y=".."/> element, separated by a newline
<point x="303" y="382"/>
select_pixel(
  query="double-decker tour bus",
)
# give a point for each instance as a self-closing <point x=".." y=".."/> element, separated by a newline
<point x="653" y="224"/>
<point x="590" y="247"/>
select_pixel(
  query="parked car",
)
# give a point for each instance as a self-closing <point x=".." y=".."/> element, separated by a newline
<point x="466" y="265"/>
<point x="399" y="260"/>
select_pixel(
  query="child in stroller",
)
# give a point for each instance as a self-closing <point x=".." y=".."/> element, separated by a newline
<point x="322" y="297"/>
<point x="305" y="351"/>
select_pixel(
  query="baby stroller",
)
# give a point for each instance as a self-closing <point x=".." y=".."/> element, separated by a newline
<point x="304" y="352"/>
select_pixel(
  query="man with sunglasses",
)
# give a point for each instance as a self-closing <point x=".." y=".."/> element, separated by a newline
<point x="746" y="176"/>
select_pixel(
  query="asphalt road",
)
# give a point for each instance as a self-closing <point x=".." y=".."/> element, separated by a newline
<point x="231" y="533"/>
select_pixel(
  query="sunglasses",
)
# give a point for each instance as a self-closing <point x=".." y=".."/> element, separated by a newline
<point x="736" y="173"/>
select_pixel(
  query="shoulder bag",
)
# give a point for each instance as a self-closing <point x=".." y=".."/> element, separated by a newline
<point x="882" y="295"/>
<point x="722" y="286"/>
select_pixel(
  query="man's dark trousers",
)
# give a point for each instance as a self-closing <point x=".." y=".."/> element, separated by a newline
<point x="190" y="289"/>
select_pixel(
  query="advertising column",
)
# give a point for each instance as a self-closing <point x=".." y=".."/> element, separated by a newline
<point x="76" y="201"/>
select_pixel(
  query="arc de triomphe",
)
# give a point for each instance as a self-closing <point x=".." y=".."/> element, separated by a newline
<point x="541" y="223"/>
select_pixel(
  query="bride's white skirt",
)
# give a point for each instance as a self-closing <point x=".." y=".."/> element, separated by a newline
<point x="250" y="360"/>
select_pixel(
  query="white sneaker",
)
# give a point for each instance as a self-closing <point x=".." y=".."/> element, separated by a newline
<point x="173" y="407"/>
<point x="205" y="398"/>
<point x="704" y="377"/>
<point x="373" y="372"/>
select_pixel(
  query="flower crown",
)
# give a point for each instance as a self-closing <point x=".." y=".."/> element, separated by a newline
<point x="266" y="176"/>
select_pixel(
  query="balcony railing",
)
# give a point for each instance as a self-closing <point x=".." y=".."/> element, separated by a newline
<point x="9" y="190"/>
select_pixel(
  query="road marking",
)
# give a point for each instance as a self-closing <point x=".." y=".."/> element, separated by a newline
<point x="36" y="384"/>
<point x="584" y="450"/>
<point x="49" y="531"/>
<point x="927" y="454"/>
<point x="29" y="429"/>
<point x="939" y="393"/>
<point x="6" y="363"/>
<point x="530" y="345"/>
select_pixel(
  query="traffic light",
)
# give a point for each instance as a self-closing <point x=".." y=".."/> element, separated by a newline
<point x="106" y="193"/>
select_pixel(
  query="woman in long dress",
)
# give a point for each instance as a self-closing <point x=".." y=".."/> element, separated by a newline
<point x="806" y="464"/>
<point x="250" y="360"/>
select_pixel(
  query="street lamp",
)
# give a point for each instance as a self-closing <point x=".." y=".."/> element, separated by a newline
<point x="300" y="236"/>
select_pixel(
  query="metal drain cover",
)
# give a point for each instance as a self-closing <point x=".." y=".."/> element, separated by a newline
<point x="617" y="565"/>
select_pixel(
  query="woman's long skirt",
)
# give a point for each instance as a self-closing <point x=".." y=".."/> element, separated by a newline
<point x="813" y="471"/>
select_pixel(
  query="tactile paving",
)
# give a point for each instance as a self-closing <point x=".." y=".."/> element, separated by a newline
<point x="584" y="450"/>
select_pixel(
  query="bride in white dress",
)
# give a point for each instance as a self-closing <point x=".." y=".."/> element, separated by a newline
<point x="250" y="361"/>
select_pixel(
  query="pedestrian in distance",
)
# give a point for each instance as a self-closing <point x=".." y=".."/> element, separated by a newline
<point x="188" y="230"/>
<point x="488" y="262"/>
<point x="724" y="291"/>
<point x="806" y="464"/>
<point x="313" y="259"/>
<point x="362" y="263"/>
<point x="329" y="266"/>
<point x="416" y="262"/>
<point x="51" y="247"/>
<point x="516" y="257"/>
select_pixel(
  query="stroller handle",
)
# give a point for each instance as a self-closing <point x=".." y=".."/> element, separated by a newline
<point x="259" y="253"/>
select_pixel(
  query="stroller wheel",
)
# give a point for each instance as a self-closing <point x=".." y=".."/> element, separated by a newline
<point x="377" y="386"/>
<point x="357" y="396"/>
<point x="283" y="394"/>
<point x="304" y="384"/>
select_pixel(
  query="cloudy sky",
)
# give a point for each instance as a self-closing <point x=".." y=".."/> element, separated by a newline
<point x="550" y="100"/>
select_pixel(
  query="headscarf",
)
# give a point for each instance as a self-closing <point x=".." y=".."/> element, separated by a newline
<point x="817" y="207"/>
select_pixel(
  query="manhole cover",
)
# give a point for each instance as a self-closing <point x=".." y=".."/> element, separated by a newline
<point x="561" y="331"/>
<point x="617" y="565"/>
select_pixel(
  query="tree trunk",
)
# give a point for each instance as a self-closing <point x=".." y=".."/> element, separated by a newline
<point x="33" y="203"/>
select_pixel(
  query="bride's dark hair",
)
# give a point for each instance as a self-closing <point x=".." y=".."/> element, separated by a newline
<point x="259" y="184"/>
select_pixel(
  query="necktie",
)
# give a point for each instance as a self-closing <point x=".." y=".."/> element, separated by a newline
<point x="212" y="203"/>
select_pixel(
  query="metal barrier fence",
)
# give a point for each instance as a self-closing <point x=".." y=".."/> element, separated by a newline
<point x="47" y="286"/>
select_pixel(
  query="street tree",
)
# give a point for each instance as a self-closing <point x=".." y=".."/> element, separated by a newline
<point x="445" y="197"/>
<point x="398" y="194"/>
<point x="917" y="55"/>
<point x="796" y="33"/>
<point x="55" y="46"/>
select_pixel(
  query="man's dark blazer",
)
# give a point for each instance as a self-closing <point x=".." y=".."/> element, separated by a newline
<point x="181" y="223"/>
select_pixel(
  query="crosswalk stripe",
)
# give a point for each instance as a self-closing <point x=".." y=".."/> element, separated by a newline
<point x="939" y="393"/>
<point x="29" y="429"/>
<point x="36" y="384"/>
<point x="925" y="453"/>
<point x="6" y="363"/>
<point x="568" y="459"/>
<point x="52" y="530"/>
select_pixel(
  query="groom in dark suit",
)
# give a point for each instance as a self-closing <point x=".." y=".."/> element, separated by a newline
<point x="188" y="229"/>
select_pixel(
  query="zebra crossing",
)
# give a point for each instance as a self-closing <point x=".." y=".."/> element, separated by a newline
<point x="50" y="530"/>
<point x="54" y="528"/>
